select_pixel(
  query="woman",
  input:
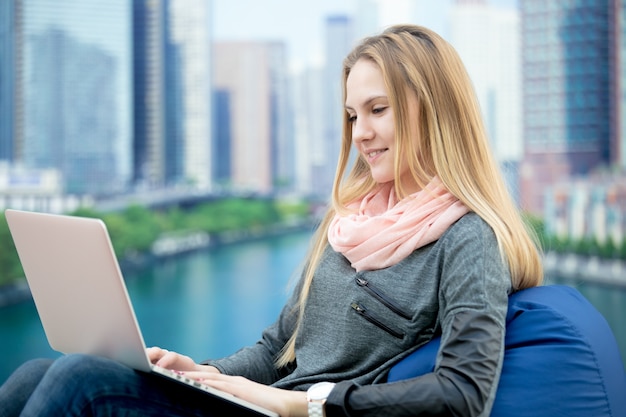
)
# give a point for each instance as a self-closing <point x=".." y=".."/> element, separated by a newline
<point x="421" y="239"/>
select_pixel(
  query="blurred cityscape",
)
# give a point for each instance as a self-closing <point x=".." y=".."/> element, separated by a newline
<point x="106" y="101"/>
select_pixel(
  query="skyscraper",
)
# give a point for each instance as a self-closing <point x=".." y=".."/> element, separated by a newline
<point x="188" y="73"/>
<point x="308" y="109"/>
<point x="9" y="21"/>
<point x="172" y="92"/>
<point x="75" y="87"/>
<point x="618" y="83"/>
<point x="567" y="52"/>
<point x="487" y="39"/>
<point x="249" y="79"/>
<point x="339" y="36"/>
<point x="149" y="93"/>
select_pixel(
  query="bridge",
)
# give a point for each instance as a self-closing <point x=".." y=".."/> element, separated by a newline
<point x="159" y="199"/>
<point x="156" y="199"/>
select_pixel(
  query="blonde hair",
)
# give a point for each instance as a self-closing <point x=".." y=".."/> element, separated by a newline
<point x="451" y="143"/>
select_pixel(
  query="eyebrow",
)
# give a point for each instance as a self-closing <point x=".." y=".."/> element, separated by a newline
<point x="368" y="101"/>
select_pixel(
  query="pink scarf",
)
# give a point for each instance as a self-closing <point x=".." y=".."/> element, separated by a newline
<point x="383" y="231"/>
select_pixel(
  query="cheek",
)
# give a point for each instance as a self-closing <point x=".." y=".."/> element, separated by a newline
<point x="388" y="129"/>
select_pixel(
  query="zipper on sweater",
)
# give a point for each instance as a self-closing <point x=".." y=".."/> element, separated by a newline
<point x="382" y="297"/>
<point x="359" y="308"/>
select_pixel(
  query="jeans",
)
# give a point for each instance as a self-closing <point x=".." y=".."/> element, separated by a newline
<point x="84" y="385"/>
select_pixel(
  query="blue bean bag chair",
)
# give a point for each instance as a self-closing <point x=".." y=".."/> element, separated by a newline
<point x="561" y="359"/>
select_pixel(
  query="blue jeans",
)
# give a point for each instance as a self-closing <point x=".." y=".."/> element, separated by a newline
<point x="83" y="385"/>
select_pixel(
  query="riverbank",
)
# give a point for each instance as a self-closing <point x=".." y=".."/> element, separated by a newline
<point x="585" y="268"/>
<point x="14" y="293"/>
<point x="172" y="245"/>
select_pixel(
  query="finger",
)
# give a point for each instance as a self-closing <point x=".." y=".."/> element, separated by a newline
<point x="168" y="359"/>
<point x="155" y="353"/>
<point x="208" y="375"/>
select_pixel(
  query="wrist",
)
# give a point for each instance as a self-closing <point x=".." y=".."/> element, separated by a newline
<point x="207" y="368"/>
<point x="297" y="404"/>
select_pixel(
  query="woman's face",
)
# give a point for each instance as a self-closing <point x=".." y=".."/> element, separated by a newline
<point x="372" y="119"/>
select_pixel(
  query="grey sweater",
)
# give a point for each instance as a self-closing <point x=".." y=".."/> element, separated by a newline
<point x="358" y="324"/>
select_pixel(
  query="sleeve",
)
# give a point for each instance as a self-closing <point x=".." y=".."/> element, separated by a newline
<point x="473" y="296"/>
<point x="257" y="362"/>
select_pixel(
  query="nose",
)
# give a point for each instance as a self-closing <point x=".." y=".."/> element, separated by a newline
<point x="361" y="130"/>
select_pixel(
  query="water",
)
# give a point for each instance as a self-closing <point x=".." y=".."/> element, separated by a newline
<point x="610" y="301"/>
<point x="208" y="304"/>
<point x="205" y="304"/>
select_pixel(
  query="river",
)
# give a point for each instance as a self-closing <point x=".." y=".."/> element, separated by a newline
<point x="209" y="303"/>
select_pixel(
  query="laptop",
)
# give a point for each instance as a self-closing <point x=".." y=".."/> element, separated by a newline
<point x="81" y="296"/>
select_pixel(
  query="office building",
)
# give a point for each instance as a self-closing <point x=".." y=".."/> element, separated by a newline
<point x="149" y="93"/>
<point x="339" y="40"/>
<point x="569" y="128"/>
<point x="308" y="89"/>
<point x="249" y="79"/>
<point x="618" y="83"/>
<point x="10" y="64"/>
<point x="172" y="92"/>
<point x="74" y="91"/>
<point x="487" y="39"/>
<point x="188" y="77"/>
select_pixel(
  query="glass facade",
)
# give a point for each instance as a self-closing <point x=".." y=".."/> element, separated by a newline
<point x="222" y="137"/>
<point x="339" y="37"/>
<point x="567" y="98"/>
<point x="188" y="60"/>
<point x="77" y="96"/>
<point x="7" y="78"/>
<point x="620" y="21"/>
<point x="566" y="78"/>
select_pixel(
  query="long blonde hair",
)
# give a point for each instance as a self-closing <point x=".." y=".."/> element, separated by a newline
<point x="451" y="143"/>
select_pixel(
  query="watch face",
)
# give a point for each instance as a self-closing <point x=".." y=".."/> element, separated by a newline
<point x="320" y="391"/>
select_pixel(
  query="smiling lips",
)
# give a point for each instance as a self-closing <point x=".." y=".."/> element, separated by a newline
<point x="373" y="154"/>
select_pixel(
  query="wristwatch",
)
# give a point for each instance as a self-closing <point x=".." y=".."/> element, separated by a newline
<point x="316" y="397"/>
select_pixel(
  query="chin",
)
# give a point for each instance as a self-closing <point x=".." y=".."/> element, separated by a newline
<point x="382" y="179"/>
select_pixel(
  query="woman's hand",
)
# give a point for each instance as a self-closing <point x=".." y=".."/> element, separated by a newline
<point x="171" y="360"/>
<point x="285" y="403"/>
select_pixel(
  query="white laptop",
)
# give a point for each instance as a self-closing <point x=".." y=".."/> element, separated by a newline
<point x="80" y="294"/>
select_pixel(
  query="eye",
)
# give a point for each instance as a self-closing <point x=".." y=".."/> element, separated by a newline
<point x="378" y="110"/>
<point x="351" y="119"/>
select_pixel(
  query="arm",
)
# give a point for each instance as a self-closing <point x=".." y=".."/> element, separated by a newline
<point x="473" y="293"/>
<point x="460" y="385"/>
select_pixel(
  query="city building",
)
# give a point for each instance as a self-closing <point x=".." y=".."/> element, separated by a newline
<point x="339" y="40"/>
<point x="222" y="134"/>
<point x="570" y="100"/>
<point x="592" y="208"/>
<point x="36" y="189"/>
<point x="308" y="112"/>
<point x="9" y="22"/>
<point x="254" y="130"/>
<point x="149" y="93"/>
<point x="188" y="84"/>
<point x="77" y="120"/>
<point x="487" y="40"/>
<point x="172" y="93"/>
<point x="618" y="83"/>
<point x="69" y="89"/>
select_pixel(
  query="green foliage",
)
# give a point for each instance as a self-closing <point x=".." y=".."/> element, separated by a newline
<point x="583" y="246"/>
<point x="10" y="267"/>
<point x="536" y="227"/>
<point x="233" y="214"/>
<point x="293" y="208"/>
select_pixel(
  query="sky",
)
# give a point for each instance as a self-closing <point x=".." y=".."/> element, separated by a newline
<point x="300" y="23"/>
